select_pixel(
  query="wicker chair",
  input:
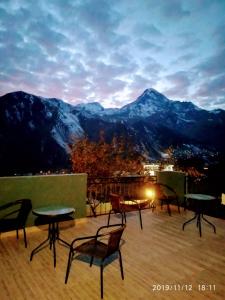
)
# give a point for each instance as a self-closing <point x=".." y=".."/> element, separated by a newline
<point x="95" y="248"/>
<point x="165" y="194"/>
<point x="120" y="206"/>
<point x="15" y="216"/>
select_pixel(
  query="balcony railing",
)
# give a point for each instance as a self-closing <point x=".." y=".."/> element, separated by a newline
<point x="98" y="190"/>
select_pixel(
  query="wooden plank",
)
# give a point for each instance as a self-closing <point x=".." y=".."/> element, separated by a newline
<point x="161" y="255"/>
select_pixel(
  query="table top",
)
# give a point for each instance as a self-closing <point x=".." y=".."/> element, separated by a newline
<point x="135" y="201"/>
<point x="53" y="210"/>
<point x="200" y="197"/>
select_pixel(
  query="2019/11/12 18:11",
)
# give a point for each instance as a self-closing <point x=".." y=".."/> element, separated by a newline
<point x="183" y="287"/>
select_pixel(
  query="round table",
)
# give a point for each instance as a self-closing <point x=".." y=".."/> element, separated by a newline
<point x="199" y="199"/>
<point x="53" y="214"/>
<point x="133" y="205"/>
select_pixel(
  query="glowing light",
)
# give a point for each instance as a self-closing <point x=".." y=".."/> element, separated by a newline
<point x="150" y="193"/>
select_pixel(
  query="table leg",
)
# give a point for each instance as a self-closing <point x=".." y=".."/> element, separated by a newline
<point x="185" y="223"/>
<point x="50" y="235"/>
<point x="64" y="242"/>
<point x="53" y="235"/>
<point x="38" y="248"/>
<point x="199" y="224"/>
<point x="199" y="216"/>
<point x="214" y="227"/>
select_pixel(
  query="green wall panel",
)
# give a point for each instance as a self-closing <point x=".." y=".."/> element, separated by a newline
<point x="176" y="180"/>
<point x="43" y="190"/>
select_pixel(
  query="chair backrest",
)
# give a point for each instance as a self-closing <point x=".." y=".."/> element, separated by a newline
<point x="25" y="208"/>
<point x="114" y="240"/>
<point x="163" y="191"/>
<point x="115" y="201"/>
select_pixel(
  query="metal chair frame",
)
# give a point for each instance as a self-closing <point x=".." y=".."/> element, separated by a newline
<point x="92" y="246"/>
<point x="165" y="198"/>
<point x="20" y="214"/>
<point x="120" y="206"/>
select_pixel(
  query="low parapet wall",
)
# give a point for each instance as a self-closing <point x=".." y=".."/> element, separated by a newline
<point x="66" y="189"/>
<point x="176" y="180"/>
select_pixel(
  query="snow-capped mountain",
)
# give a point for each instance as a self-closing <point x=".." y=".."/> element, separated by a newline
<point x="149" y="103"/>
<point x="184" y="119"/>
<point x="155" y="122"/>
<point x="36" y="132"/>
<point x="94" y="109"/>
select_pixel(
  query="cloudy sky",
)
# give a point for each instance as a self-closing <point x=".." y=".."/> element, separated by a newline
<point x="112" y="50"/>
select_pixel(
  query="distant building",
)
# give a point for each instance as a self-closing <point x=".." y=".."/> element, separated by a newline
<point x="151" y="169"/>
<point x="168" y="167"/>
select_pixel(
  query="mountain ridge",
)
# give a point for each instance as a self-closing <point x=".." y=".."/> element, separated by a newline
<point x="42" y="129"/>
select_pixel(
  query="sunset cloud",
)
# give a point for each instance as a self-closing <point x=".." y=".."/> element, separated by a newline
<point x="110" y="51"/>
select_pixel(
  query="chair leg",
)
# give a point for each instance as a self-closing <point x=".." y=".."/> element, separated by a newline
<point x="17" y="233"/>
<point x="101" y="279"/>
<point x="125" y="219"/>
<point x="178" y="205"/>
<point x="93" y="211"/>
<point x="168" y="209"/>
<point x="91" y="261"/>
<point x="70" y="258"/>
<point x="109" y="217"/>
<point x="122" y="218"/>
<point x="140" y="218"/>
<point x="25" y="237"/>
<point x="121" y="265"/>
<point x="152" y="206"/>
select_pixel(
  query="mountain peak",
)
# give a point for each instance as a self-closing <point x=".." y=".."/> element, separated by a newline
<point x="151" y="91"/>
<point x="150" y="102"/>
<point x="151" y="95"/>
<point x="18" y="95"/>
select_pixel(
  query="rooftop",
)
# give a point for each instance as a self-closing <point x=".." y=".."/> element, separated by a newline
<point x="161" y="254"/>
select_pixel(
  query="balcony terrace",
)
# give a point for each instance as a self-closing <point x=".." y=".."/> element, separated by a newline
<point x="161" y="254"/>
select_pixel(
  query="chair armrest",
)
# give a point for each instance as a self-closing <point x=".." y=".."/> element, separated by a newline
<point x="117" y="196"/>
<point x="9" y="214"/>
<point x="170" y="189"/>
<point x="7" y="205"/>
<point x="84" y="238"/>
<point x="110" y="226"/>
<point x="97" y="235"/>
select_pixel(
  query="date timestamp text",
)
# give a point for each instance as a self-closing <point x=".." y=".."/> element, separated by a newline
<point x="183" y="287"/>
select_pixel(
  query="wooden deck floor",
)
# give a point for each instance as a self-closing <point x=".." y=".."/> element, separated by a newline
<point x="159" y="255"/>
